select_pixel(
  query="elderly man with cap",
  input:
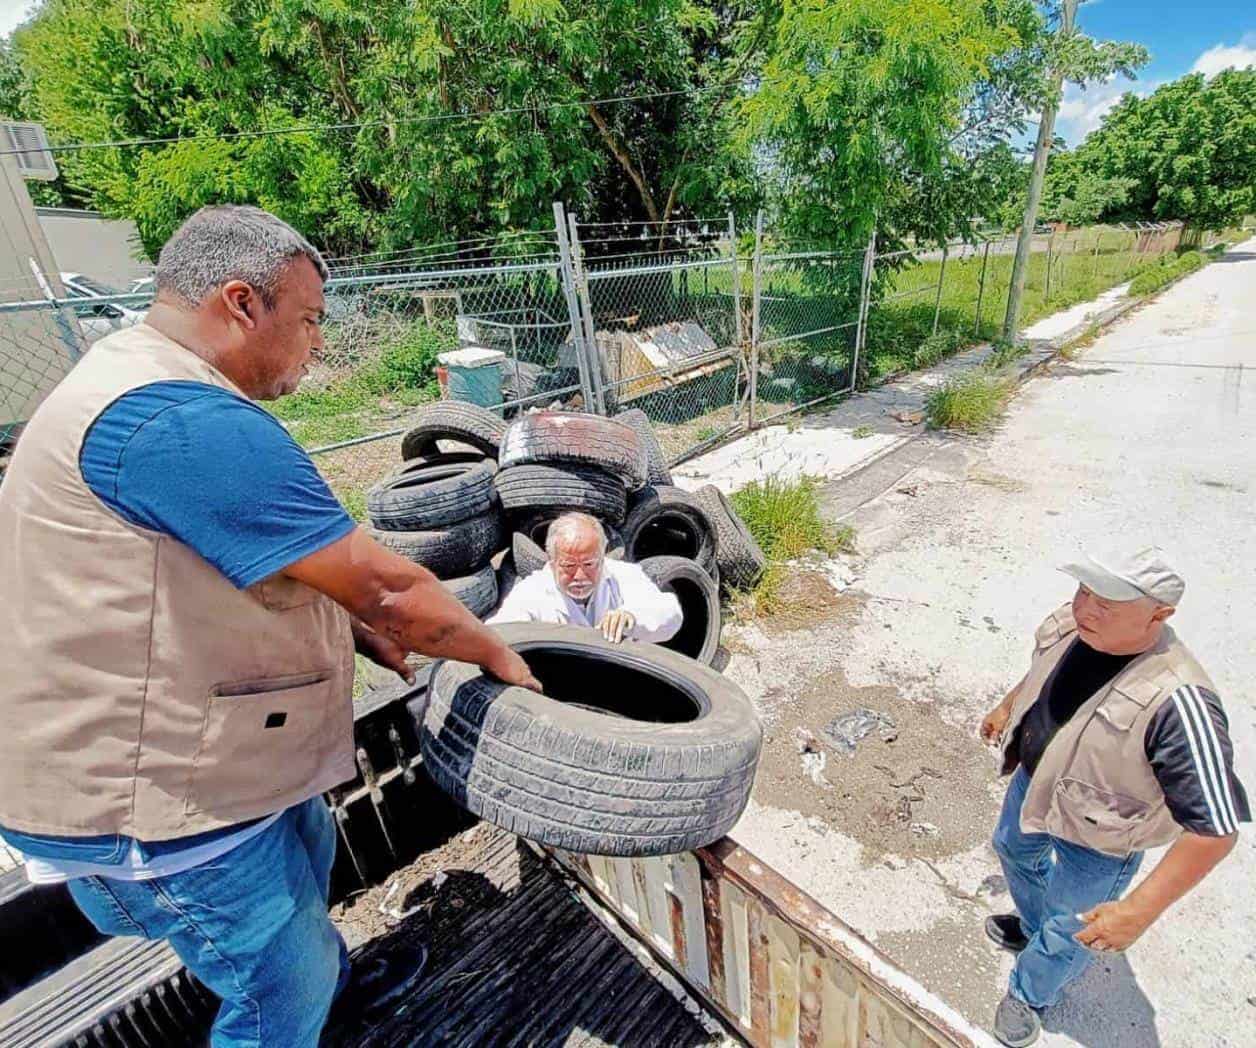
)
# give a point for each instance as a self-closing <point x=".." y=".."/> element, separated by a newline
<point x="1118" y="743"/>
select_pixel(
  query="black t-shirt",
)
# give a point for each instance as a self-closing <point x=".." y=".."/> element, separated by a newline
<point x="1077" y="677"/>
<point x="1187" y="742"/>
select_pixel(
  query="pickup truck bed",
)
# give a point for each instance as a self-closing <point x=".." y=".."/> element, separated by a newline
<point x="516" y="959"/>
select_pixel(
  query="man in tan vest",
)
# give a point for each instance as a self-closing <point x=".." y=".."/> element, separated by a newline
<point x="1119" y="743"/>
<point x="182" y="600"/>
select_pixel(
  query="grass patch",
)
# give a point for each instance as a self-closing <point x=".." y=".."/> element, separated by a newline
<point x="331" y="429"/>
<point x="354" y="502"/>
<point x="861" y="432"/>
<point x="784" y="518"/>
<point x="1070" y="350"/>
<point x="402" y="373"/>
<point x="1004" y="352"/>
<point x="937" y="347"/>
<point x="1170" y="269"/>
<point x="971" y="402"/>
<point x="899" y="332"/>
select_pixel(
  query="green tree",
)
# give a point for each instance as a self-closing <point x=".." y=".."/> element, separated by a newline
<point x="460" y="119"/>
<point x="1078" y="195"/>
<point x="1187" y="151"/>
<point x="15" y="104"/>
<point x="862" y="110"/>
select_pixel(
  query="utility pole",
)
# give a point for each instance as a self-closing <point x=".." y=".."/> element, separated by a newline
<point x="1046" y="133"/>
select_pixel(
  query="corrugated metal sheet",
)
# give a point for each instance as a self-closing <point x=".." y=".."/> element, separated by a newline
<point x="781" y="970"/>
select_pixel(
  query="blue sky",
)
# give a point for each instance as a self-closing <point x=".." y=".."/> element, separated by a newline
<point x="1207" y="35"/>
<point x="1204" y="35"/>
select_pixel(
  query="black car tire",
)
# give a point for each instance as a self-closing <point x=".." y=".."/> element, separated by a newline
<point x="699" y="596"/>
<point x="589" y="489"/>
<point x="450" y="552"/>
<point x="552" y="437"/>
<point x="655" y="460"/>
<point x="740" y="558"/>
<point x="478" y="592"/>
<point x="432" y="496"/>
<point x="634" y="750"/>
<point x="668" y="522"/>
<point x="457" y="421"/>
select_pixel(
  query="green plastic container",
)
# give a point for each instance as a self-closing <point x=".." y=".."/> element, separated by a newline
<point x="475" y="375"/>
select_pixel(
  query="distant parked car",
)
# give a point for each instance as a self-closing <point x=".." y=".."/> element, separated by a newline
<point x="98" y="319"/>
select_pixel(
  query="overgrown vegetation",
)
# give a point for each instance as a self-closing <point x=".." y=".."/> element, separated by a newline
<point x="784" y="518"/>
<point x="1171" y="268"/>
<point x="1004" y="352"/>
<point x="971" y="402"/>
<point x="402" y="374"/>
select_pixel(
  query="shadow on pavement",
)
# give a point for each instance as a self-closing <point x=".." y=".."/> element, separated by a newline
<point x="1234" y="256"/>
<point x="1106" y="1008"/>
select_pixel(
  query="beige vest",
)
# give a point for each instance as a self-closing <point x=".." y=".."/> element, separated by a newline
<point x="1094" y="785"/>
<point x="140" y="691"/>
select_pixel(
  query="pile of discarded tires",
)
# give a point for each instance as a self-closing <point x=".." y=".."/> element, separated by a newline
<point x="440" y="508"/>
<point x="479" y="518"/>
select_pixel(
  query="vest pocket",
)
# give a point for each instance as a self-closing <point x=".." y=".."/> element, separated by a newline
<point x="262" y="740"/>
<point x="1095" y="817"/>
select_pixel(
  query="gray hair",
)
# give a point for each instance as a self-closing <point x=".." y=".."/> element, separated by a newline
<point x="231" y="242"/>
<point x="568" y="526"/>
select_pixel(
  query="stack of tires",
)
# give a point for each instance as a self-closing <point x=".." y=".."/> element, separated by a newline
<point x="478" y="517"/>
<point x="440" y="508"/>
<point x="552" y="463"/>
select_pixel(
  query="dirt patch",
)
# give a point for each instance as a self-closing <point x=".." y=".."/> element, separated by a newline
<point x="442" y="872"/>
<point x="804" y="599"/>
<point x="920" y="789"/>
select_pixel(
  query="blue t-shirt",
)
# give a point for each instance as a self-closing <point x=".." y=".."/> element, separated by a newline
<point x="222" y="476"/>
<point x="216" y="472"/>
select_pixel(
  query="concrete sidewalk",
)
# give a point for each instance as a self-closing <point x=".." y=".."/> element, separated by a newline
<point x="1150" y="435"/>
<point x="836" y="442"/>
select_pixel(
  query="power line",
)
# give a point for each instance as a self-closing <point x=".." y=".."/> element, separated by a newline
<point x="70" y="147"/>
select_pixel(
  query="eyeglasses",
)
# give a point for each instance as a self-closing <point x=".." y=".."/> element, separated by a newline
<point x="568" y="566"/>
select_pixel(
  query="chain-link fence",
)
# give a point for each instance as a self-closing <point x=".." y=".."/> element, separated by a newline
<point x="671" y="318"/>
<point x="661" y="306"/>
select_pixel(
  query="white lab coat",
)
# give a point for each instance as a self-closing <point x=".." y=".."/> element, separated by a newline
<point x="537" y="598"/>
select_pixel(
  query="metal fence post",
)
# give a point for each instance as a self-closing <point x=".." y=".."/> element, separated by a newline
<point x="756" y="289"/>
<point x="732" y="240"/>
<point x="1046" y="291"/>
<point x="981" y="289"/>
<point x="937" y="301"/>
<point x="567" y="271"/>
<point x="865" y="295"/>
<point x="585" y="299"/>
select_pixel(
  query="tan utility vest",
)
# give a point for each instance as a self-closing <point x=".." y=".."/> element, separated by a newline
<point x="140" y="692"/>
<point x="1094" y="785"/>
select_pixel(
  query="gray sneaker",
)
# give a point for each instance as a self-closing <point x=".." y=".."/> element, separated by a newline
<point x="1015" y="1023"/>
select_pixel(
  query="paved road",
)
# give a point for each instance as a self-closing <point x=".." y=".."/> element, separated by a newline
<point x="1150" y="434"/>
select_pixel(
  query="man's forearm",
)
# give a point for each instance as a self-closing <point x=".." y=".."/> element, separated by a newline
<point x="421" y="615"/>
<point x="1187" y="863"/>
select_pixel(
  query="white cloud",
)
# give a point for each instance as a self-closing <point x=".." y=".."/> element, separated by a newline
<point x="1227" y="56"/>
<point x="1083" y="109"/>
<point x="13" y="13"/>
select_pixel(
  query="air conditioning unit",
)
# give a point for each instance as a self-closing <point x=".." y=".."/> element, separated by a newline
<point x="28" y="144"/>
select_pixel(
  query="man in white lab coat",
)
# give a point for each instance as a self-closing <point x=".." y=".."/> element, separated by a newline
<point x="580" y="587"/>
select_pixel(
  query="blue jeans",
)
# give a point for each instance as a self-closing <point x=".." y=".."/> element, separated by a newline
<point x="1052" y="881"/>
<point x="251" y="925"/>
